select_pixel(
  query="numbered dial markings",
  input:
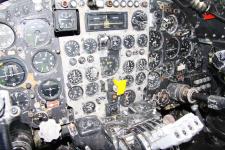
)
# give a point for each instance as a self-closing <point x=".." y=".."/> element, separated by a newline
<point x="129" y="41"/>
<point x="92" y="89"/>
<point x="75" y="92"/>
<point x="128" y="66"/>
<point x="92" y="74"/>
<point x="74" y="77"/>
<point x="72" y="48"/>
<point x="90" y="46"/>
<point x="7" y="36"/>
<point x="44" y="61"/>
<point x="142" y="40"/>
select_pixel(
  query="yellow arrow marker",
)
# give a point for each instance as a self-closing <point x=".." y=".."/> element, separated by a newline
<point x="121" y="86"/>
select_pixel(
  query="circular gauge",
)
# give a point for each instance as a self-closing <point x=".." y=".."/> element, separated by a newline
<point x="7" y="36"/>
<point x="129" y="41"/>
<point x="185" y="48"/>
<point x="140" y="78"/>
<point x="170" y="24"/>
<point x="66" y="19"/>
<point x="155" y="40"/>
<point x="12" y="73"/>
<point x="141" y="64"/>
<point x="75" y="92"/>
<point x="39" y="117"/>
<point x="50" y="89"/>
<point x="220" y="7"/>
<point x="89" y="107"/>
<point x="20" y="99"/>
<point x="130" y="80"/>
<point x="92" y="74"/>
<point x="74" y="77"/>
<point x="92" y="89"/>
<point x="109" y="65"/>
<point x="115" y="43"/>
<point x="153" y="80"/>
<point x="128" y="98"/>
<point x="90" y="46"/>
<point x="37" y="32"/>
<point x="44" y="61"/>
<point x="172" y="48"/>
<point x="167" y="69"/>
<point x="154" y="60"/>
<point x="72" y="48"/>
<point x="139" y="20"/>
<point x="128" y="66"/>
<point x="142" y="40"/>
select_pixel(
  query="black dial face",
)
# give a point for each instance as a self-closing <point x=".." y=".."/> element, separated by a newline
<point x="12" y="73"/>
<point x="141" y="64"/>
<point x="155" y="40"/>
<point x="75" y="92"/>
<point x="140" y="78"/>
<point x="170" y="24"/>
<point x="139" y="20"/>
<point x="20" y="99"/>
<point x="128" y="66"/>
<point x="154" y="60"/>
<point x="66" y="19"/>
<point x="189" y="63"/>
<point x="50" y="89"/>
<point x="90" y="46"/>
<point x="128" y="98"/>
<point x="116" y="43"/>
<point x="72" y="48"/>
<point x="185" y="48"/>
<point x="109" y="65"/>
<point x="167" y="69"/>
<point x="39" y="117"/>
<point x="92" y="74"/>
<point x="92" y="89"/>
<point x="172" y="48"/>
<point x="37" y="32"/>
<point x="44" y="61"/>
<point x="7" y="36"/>
<point x="142" y="40"/>
<point x="89" y="107"/>
<point x="130" y="80"/>
<point x="74" y="77"/>
<point x="129" y="41"/>
<point x="154" y="80"/>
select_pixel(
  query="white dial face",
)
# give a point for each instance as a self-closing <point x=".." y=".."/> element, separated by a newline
<point x="7" y="36"/>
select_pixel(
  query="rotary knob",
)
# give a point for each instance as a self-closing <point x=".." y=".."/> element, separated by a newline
<point x="49" y="130"/>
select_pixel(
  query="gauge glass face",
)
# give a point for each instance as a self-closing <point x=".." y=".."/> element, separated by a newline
<point x="141" y="64"/>
<point x="142" y="40"/>
<point x="154" y="80"/>
<point x="129" y="41"/>
<point x="128" y="98"/>
<point x="37" y="33"/>
<point x="7" y="36"/>
<point x="155" y="40"/>
<point x="74" y="77"/>
<point x="20" y="99"/>
<point x="44" y="61"/>
<point x="66" y="19"/>
<point x="92" y="89"/>
<point x="172" y="48"/>
<point x="90" y="46"/>
<point x="186" y="48"/>
<point x="109" y="65"/>
<point x="170" y="24"/>
<point x="39" y="117"/>
<point x="139" y="20"/>
<point x="89" y="107"/>
<point x="140" y="78"/>
<point x="92" y="74"/>
<point x="130" y="80"/>
<point x="72" y="48"/>
<point x="50" y="89"/>
<point x="12" y="74"/>
<point x="75" y="92"/>
<point x="154" y="60"/>
<point x="128" y="66"/>
<point x="167" y="69"/>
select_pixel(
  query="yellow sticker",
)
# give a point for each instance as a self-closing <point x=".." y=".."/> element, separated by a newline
<point x="121" y="86"/>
